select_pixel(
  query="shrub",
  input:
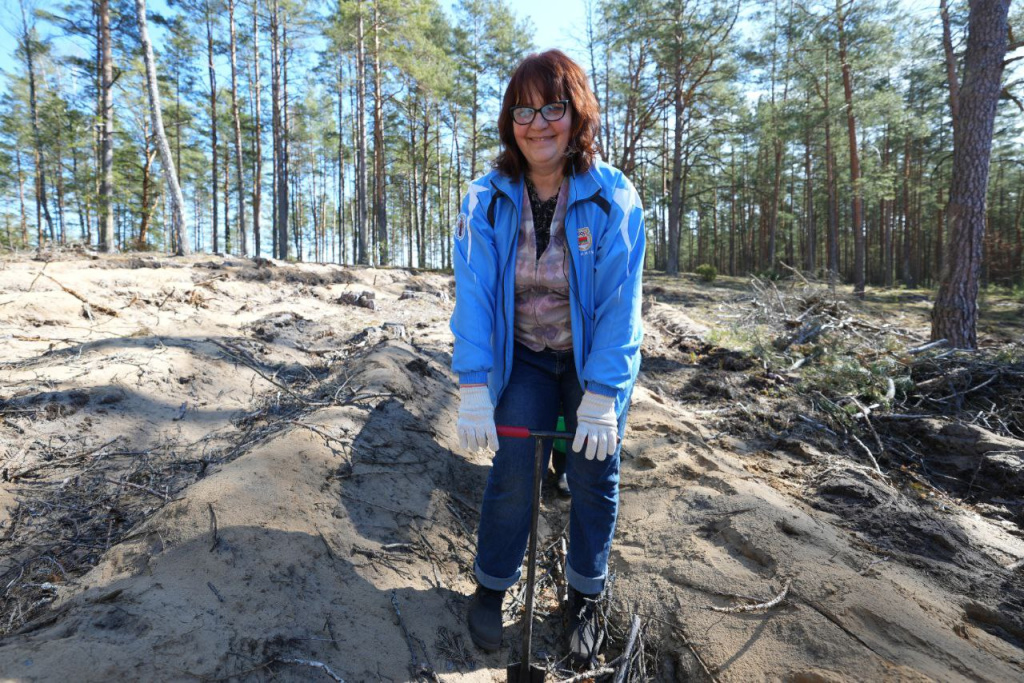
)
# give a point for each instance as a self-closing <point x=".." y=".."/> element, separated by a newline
<point x="706" y="272"/>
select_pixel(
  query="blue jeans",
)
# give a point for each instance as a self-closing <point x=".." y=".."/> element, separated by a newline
<point x="542" y="386"/>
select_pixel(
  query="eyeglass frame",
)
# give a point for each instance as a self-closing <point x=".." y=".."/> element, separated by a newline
<point x="540" y="110"/>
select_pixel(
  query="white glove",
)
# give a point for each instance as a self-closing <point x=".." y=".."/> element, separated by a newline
<point x="598" y="425"/>
<point x="476" y="419"/>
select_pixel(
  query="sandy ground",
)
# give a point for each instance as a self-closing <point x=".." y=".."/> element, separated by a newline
<point x="220" y="470"/>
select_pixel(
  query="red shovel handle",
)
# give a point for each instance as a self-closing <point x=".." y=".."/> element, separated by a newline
<point x="514" y="432"/>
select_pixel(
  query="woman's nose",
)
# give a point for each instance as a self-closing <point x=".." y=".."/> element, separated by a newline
<point x="539" y="121"/>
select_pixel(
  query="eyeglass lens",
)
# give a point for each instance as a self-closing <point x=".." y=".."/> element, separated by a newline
<point x="551" y="112"/>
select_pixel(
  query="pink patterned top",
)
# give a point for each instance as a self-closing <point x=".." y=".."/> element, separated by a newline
<point x="542" y="284"/>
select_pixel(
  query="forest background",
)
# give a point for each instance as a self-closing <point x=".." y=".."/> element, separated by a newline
<point x="812" y="134"/>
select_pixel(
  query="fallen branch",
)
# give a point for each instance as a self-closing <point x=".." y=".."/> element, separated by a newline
<point x="213" y="528"/>
<point x="867" y="420"/>
<point x="311" y="663"/>
<point x="588" y="675"/>
<point x="57" y="462"/>
<point x="150" y="491"/>
<point x="102" y="309"/>
<point x="930" y="345"/>
<point x="753" y="608"/>
<point x="867" y="450"/>
<point x="634" y="631"/>
<point x="230" y="352"/>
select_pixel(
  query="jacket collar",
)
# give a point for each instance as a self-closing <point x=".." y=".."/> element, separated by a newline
<point x="582" y="185"/>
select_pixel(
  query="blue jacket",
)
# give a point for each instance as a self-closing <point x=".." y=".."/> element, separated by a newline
<point x="604" y="228"/>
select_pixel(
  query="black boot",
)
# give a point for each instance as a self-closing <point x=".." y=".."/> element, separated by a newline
<point x="585" y="633"/>
<point x="485" y="618"/>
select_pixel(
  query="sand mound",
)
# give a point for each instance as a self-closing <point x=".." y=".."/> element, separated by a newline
<point x="221" y="469"/>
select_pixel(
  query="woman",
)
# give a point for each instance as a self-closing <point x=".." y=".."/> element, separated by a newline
<point x="549" y="249"/>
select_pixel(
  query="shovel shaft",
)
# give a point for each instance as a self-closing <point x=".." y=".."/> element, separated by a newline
<point x="531" y="562"/>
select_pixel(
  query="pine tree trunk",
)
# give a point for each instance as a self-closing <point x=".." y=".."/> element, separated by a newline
<point x="147" y="183"/>
<point x="675" y="203"/>
<point x="908" y="274"/>
<point x="106" y="190"/>
<point x="342" y="243"/>
<point x="280" y="222"/>
<point x="284" y="208"/>
<point x="179" y="231"/>
<point x="955" y="315"/>
<point x="380" y="210"/>
<point x="21" y="199"/>
<point x="362" y="251"/>
<point x="227" y="197"/>
<point x="42" y="208"/>
<point x="811" y="232"/>
<point x="257" y="181"/>
<point x="859" y="247"/>
<point x="952" y="81"/>
<point x="58" y="181"/>
<point x="424" y="186"/>
<point x="243" y="237"/>
<point x="214" y="175"/>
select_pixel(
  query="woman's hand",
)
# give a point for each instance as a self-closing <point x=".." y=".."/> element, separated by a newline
<point x="597" y="425"/>
<point x="476" y="419"/>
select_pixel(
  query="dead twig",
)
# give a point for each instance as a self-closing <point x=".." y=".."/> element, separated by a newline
<point x="867" y="450"/>
<point x="311" y="663"/>
<point x="871" y="428"/>
<point x="238" y="359"/>
<point x="627" y="654"/>
<point x="760" y="606"/>
<point x="588" y="675"/>
<point x="57" y="462"/>
<point x="209" y="584"/>
<point x="925" y="347"/>
<point x="102" y="309"/>
<point x="213" y="527"/>
<point x="150" y="491"/>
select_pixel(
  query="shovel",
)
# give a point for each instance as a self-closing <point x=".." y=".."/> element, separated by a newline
<point x="525" y="671"/>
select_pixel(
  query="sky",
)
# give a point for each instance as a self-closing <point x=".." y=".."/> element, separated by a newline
<point x="558" y="23"/>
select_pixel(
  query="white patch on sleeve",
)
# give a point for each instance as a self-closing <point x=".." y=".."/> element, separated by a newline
<point x="626" y="199"/>
<point x="474" y="200"/>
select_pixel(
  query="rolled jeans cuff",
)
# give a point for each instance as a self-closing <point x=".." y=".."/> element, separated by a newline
<point x="494" y="583"/>
<point x="583" y="584"/>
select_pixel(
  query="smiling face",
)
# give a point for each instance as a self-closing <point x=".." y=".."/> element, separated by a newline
<point x="543" y="142"/>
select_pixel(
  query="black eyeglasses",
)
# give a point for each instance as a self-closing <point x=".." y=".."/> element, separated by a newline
<point x="551" y="112"/>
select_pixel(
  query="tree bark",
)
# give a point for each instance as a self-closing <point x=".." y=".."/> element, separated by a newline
<point x="179" y="230"/>
<point x="951" y="76"/>
<point x="42" y="208"/>
<point x="379" y="173"/>
<point x="286" y="224"/>
<point x="106" y="208"/>
<point x="859" y="248"/>
<point x="955" y="314"/>
<point x="362" y="251"/>
<point x="675" y="202"/>
<point x="342" y="243"/>
<point x="280" y="223"/>
<point x="257" y="181"/>
<point x="243" y="236"/>
<point x="908" y="273"/>
<point x="214" y="176"/>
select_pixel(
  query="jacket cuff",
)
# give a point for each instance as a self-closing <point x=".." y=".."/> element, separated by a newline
<point x="473" y="378"/>
<point x="602" y="389"/>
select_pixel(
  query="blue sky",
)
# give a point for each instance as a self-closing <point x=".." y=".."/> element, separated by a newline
<point x="558" y="23"/>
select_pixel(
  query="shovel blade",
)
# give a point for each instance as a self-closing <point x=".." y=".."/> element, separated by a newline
<point x="521" y="673"/>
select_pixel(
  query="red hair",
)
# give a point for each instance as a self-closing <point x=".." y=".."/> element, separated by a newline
<point x="552" y="76"/>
